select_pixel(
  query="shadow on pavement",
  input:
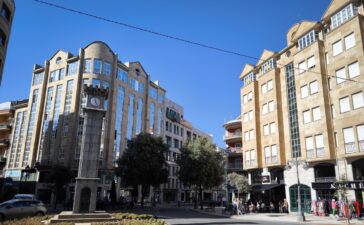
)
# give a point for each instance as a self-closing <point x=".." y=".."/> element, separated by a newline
<point x="217" y="223"/>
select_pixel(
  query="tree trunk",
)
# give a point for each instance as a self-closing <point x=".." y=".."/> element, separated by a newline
<point x="201" y="203"/>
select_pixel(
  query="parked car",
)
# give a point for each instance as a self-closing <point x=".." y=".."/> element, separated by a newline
<point x="24" y="196"/>
<point x="17" y="208"/>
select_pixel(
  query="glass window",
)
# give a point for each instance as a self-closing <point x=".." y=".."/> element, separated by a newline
<point x="153" y="92"/>
<point x="307" y="39"/>
<point x="272" y="128"/>
<point x="307" y="116"/>
<point x="160" y="97"/>
<point x="265" y="109"/>
<point x="339" y="75"/>
<point x="348" y="135"/>
<point x="274" y="150"/>
<point x="349" y="41"/>
<point x="246" y="117"/>
<point x="247" y="155"/>
<point x="311" y="62"/>
<point x="122" y="75"/>
<point x="87" y="68"/>
<point x="250" y="96"/>
<point x="358" y="100"/>
<point x="327" y="59"/>
<point x="246" y="135"/>
<point x="107" y="68"/>
<point x="360" y="133"/>
<point x="337" y="48"/>
<point x="313" y="87"/>
<point x="37" y="78"/>
<point x="251" y="134"/>
<point x="309" y="143"/>
<point x="270" y="85"/>
<point x="105" y="84"/>
<point x="268" y="65"/>
<point x="248" y="79"/>
<point x="245" y="99"/>
<point x="97" y="66"/>
<point x="266" y="130"/>
<point x="343" y="15"/>
<point x="264" y="88"/>
<point x="319" y="139"/>
<point x="302" y="67"/>
<point x="5" y="12"/>
<point x="151" y="118"/>
<point x="271" y="106"/>
<point x="72" y="68"/>
<point x="96" y="82"/>
<point x="333" y="111"/>
<point x="252" y="155"/>
<point x="304" y="91"/>
<point x="354" y="70"/>
<point x="344" y="105"/>
<point x="251" y="115"/>
<point x="129" y="129"/>
<point x="316" y="113"/>
<point x="267" y="151"/>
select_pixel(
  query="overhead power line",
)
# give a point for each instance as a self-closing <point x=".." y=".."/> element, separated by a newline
<point x="174" y="37"/>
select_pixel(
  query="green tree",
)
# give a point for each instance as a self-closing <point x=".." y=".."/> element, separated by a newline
<point x="201" y="166"/>
<point x="143" y="163"/>
<point x="59" y="176"/>
<point x="240" y="182"/>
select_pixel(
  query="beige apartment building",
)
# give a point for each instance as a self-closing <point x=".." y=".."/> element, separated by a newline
<point x="307" y="104"/>
<point x="6" y="20"/>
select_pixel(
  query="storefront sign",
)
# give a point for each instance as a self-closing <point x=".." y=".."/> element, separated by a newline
<point x="352" y="185"/>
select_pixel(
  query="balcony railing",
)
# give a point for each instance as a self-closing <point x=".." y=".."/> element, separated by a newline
<point x="350" y="147"/>
<point x="325" y="179"/>
<point x="309" y="153"/>
<point x="232" y="135"/>
<point x="4" y="142"/>
<point x="320" y="152"/>
<point x="5" y="126"/>
<point x="234" y="150"/>
<point x="361" y="145"/>
<point x="235" y="166"/>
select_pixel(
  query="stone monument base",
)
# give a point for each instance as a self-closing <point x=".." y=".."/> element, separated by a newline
<point x="69" y="216"/>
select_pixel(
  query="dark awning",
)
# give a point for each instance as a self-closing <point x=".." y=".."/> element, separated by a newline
<point x="264" y="187"/>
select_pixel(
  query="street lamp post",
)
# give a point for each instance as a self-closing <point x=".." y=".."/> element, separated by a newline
<point x="296" y="163"/>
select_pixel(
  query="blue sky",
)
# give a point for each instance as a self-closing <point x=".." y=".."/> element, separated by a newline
<point x="205" y="82"/>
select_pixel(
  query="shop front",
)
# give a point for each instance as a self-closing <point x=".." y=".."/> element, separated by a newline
<point x="357" y="186"/>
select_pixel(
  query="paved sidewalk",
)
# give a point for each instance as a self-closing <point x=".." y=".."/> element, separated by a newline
<point x="278" y="217"/>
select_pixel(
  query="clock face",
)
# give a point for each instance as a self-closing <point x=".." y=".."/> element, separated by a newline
<point x="95" y="101"/>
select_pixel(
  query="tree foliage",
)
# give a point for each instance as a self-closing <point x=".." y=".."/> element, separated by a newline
<point x="143" y="162"/>
<point x="200" y="165"/>
<point x="240" y="182"/>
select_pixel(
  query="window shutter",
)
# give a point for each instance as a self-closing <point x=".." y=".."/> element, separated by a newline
<point x="267" y="151"/>
<point x="360" y="131"/>
<point x="302" y="67"/>
<point x="306" y="116"/>
<point x="313" y="87"/>
<point x="316" y="113"/>
<point x="274" y="150"/>
<point x="304" y="91"/>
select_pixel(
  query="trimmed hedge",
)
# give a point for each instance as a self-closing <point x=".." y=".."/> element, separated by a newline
<point x="31" y="221"/>
<point x="134" y="222"/>
<point x="133" y="216"/>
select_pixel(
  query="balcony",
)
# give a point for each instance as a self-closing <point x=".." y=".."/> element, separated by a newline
<point x="361" y="145"/>
<point x="233" y="124"/>
<point x="235" y="166"/>
<point x="325" y="179"/>
<point x="5" y="127"/>
<point x="4" y="142"/>
<point x="233" y="137"/>
<point x="234" y="150"/>
<point x="350" y="147"/>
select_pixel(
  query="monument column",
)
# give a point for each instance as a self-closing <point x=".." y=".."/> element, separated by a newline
<point x="87" y="178"/>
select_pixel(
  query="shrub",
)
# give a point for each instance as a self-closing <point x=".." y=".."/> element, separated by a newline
<point x="30" y="221"/>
